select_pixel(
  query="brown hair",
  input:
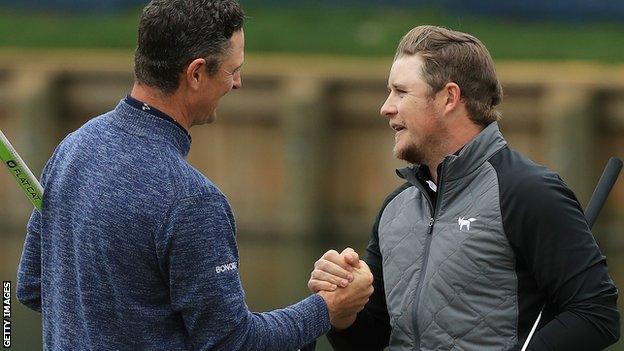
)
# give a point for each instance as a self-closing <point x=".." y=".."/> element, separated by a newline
<point x="451" y="56"/>
<point x="172" y="33"/>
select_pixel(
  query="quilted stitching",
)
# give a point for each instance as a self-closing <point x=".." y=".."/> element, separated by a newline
<point x="444" y="295"/>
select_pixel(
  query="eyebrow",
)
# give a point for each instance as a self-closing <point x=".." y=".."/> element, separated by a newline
<point x="238" y="68"/>
<point x="397" y="87"/>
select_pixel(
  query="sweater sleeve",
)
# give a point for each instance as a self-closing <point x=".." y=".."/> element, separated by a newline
<point x="29" y="270"/>
<point x="545" y="224"/>
<point x="199" y="258"/>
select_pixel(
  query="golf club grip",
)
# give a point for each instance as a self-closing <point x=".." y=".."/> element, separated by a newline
<point x="605" y="184"/>
<point x="20" y="172"/>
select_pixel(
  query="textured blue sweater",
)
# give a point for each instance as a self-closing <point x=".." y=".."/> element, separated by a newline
<point x="135" y="250"/>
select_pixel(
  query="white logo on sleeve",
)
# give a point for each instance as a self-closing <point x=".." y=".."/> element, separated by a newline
<point x="465" y="223"/>
<point x="226" y="267"/>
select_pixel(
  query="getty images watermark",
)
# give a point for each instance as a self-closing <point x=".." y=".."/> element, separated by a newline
<point x="6" y="314"/>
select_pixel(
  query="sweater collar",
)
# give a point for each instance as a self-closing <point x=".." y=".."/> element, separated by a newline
<point x="142" y="123"/>
<point x="140" y="105"/>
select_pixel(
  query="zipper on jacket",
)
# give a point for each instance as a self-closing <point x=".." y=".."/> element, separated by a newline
<point x="430" y="227"/>
<point x="423" y="270"/>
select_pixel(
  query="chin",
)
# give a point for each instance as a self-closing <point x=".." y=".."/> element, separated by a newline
<point x="408" y="153"/>
<point x="399" y="153"/>
<point x="400" y="150"/>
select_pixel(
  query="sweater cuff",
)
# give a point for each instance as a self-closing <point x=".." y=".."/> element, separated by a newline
<point x="315" y="309"/>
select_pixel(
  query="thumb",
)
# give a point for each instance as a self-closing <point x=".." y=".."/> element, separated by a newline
<point x="364" y="267"/>
<point x="365" y="273"/>
<point x="351" y="257"/>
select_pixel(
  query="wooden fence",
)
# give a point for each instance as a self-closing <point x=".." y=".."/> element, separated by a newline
<point x="301" y="150"/>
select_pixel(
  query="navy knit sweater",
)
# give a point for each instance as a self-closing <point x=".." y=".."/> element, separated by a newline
<point x="135" y="250"/>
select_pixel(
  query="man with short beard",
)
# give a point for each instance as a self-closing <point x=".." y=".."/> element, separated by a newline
<point x="479" y="241"/>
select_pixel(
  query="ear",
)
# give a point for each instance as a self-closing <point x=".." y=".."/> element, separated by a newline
<point x="195" y="72"/>
<point x="452" y="95"/>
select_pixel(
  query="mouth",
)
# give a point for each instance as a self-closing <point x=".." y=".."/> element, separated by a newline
<point x="397" y="127"/>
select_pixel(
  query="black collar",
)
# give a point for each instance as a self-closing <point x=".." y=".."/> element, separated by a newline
<point x="140" y="105"/>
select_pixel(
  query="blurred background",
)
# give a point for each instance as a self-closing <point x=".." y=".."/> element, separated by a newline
<point x="301" y="151"/>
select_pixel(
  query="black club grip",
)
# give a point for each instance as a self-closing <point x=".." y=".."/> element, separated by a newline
<point x="605" y="184"/>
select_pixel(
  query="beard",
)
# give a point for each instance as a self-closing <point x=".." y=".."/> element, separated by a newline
<point x="424" y="151"/>
<point x="411" y="153"/>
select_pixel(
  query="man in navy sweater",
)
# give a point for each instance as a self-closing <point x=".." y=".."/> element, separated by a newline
<point x="134" y="248"/>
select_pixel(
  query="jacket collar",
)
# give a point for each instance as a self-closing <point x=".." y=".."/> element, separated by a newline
<point x="469" y="158"/>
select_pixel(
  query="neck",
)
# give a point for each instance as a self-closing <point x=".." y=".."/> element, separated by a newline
<point x="172" y="104"/>
<point x="456" y="136"/>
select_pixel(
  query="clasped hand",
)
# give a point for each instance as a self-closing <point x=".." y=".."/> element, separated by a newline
<point x="344" y="282"/>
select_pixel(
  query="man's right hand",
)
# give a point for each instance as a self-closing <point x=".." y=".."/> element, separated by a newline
<point x="343" y="304"/>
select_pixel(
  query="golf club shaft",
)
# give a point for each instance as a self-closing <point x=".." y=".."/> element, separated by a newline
<point x="20" y="172"/>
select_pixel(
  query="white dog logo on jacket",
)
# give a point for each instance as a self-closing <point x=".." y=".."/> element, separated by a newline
<point x="465" y="223"/>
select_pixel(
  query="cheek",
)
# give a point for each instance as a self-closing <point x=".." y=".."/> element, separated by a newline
<point x="411" y="115"/>
<point x="419" y="117"/>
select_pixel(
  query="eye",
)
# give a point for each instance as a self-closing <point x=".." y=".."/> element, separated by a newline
<point x="400" y="93"/>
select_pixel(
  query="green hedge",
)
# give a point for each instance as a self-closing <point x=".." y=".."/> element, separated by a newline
<point x="354" y="32"/>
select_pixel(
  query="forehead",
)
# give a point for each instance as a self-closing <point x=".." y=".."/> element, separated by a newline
<point x="237" y="44"/>
<point x="406" y="70"/>
<point x="234" y="56"/>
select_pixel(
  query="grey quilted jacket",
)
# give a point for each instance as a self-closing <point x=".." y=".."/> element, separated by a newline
<point x="470" y="265"/>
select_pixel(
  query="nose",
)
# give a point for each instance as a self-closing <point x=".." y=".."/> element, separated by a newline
<point x="238" y="81"/>
<point x="388" y="109"/>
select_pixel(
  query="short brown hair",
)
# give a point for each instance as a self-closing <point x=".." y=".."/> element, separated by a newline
<point x="451" y="56"/>
<point x="172" y="33"/>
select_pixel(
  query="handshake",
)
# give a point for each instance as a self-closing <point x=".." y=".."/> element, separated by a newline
<point x="344" y="282"/>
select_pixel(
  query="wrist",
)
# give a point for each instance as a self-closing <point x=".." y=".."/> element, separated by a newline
<point x="343" y="322"/>
<point x="327" y="297"/>
<point x="337" y="318"/>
